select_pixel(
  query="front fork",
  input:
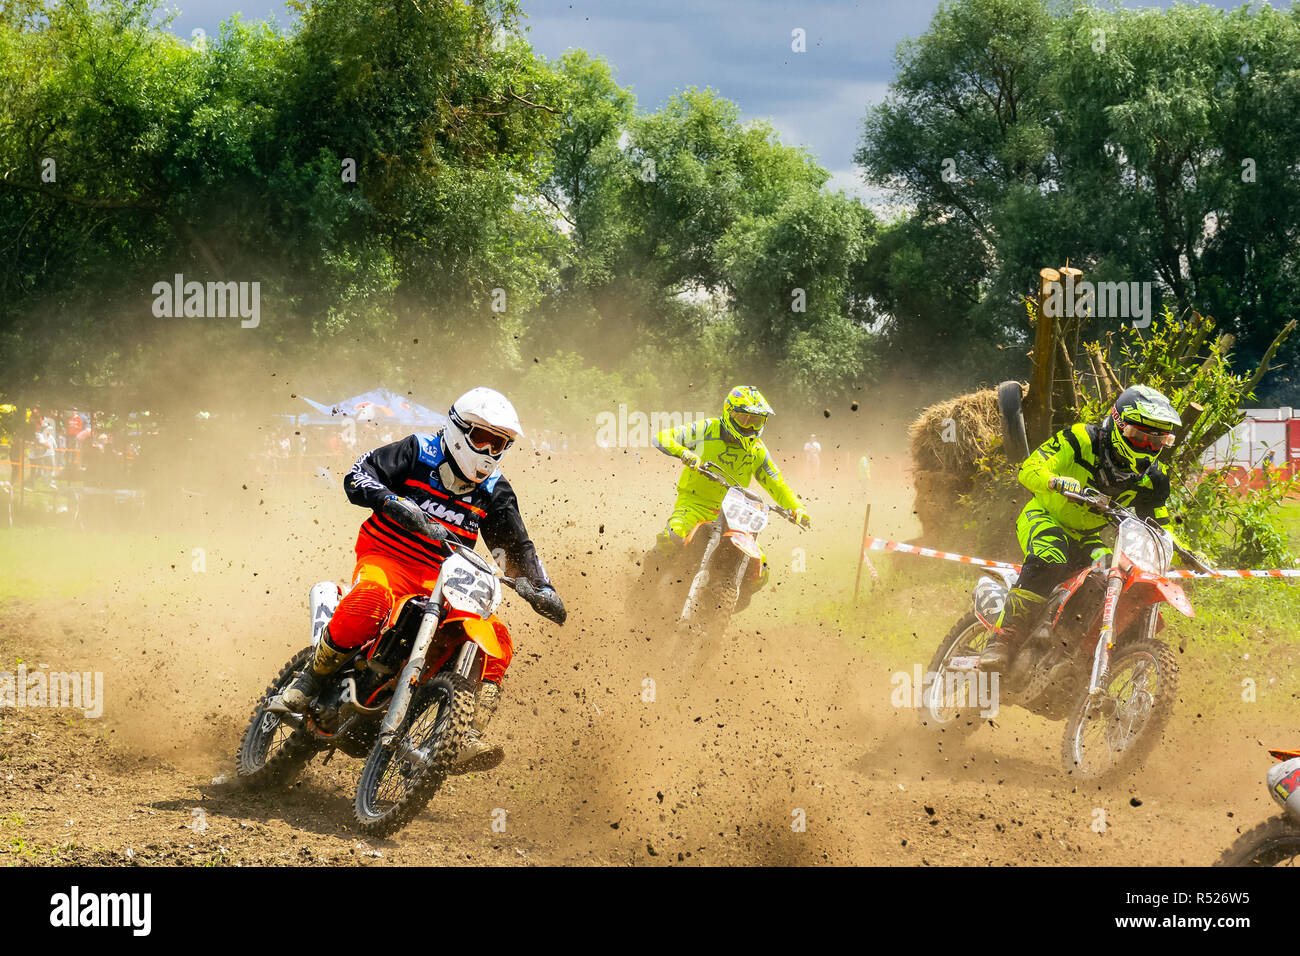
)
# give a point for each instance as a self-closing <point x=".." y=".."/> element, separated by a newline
<point x="702" y="574"/>
<point x="466" y="666"/>
<point x="1106" y="636"/>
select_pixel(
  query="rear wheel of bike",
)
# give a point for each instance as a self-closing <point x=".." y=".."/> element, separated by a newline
<point x="273" y="751"/>
<point x="1112" y="736"/>
<point x="398" y="780"/>
<point x="1274" y="842"/>
<point x="954" y="709"/>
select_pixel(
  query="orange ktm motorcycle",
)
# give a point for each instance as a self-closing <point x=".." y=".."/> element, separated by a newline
<point x="1274" y="842"/>
<point x="1091" y="657"/>
<point x="404" y="700"/>
<point x="729" y="551"/>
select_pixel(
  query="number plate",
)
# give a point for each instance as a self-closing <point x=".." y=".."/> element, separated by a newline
<point x="468" y="588"/>
<point x="742" y="513"/>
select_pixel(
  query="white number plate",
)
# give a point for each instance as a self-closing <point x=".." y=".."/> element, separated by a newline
<point x="468" y="588"/>
<point x="742" y="513"/>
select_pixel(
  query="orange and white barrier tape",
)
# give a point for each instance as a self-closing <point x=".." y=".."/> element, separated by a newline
<point x="880" y="544"/>
<point x="1269" y="573"/>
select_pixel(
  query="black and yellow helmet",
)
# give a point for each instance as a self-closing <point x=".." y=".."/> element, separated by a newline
<point x="1142" y="424"/>
<point x="745" y="413"/>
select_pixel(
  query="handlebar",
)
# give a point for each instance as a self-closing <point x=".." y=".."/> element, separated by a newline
<point x="715" y="474"/>
<point x="411" y="517"/>
<point x="1094" y="500"/>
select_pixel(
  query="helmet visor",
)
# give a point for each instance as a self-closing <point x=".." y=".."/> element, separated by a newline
<point x="748" y="420"/>
<point x="486" y="440"/>
<point x="1146" y="439"/>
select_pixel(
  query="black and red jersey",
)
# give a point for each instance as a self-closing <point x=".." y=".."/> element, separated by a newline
<point x="409" y="468"/>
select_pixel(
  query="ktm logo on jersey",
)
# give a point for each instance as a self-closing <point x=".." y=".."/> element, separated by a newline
<point x="443" y="513"/>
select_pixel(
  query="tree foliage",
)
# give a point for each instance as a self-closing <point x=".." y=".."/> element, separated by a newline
<point x="420" y="195"/>
<point x="1140" y="145"/>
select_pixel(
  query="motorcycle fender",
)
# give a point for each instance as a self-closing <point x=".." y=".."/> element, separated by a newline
<point x="745" y="542"/>
<point x="322" y="601"/>
<point x="1284" y="754"/>
<point x="482" y="632"/>
<point x="1284" y="785"/>
<point x="1168" y="590"/>
<point x="990" y="597"/>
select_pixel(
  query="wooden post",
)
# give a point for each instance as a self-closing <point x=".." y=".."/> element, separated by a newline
<point x="1189" y="416"/>
<point x="1038" y="403"/>
<point x="22" y="464"/>
<point x="1065" y="396"/>
<point x="862" y="546"/>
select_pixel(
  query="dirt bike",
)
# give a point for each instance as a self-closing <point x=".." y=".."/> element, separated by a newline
<point x="404" y="700"/>
<point x="1090" y="657"/>
<point x="728" y="548"/>
<point x="1274" y="842"/>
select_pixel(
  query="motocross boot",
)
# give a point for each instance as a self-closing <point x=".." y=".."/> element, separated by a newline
<point x="476" y="753"/>
<point x="1017" y="616"/>
<point x="298" y="695"/>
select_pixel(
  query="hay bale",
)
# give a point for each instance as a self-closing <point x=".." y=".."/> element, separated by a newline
<point x="948" y="440"/>
<point x="953" y="435"/>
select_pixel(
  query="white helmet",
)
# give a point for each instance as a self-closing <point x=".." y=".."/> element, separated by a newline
<point x="482" y="425"/>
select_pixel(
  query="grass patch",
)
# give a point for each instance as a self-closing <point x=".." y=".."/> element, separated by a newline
<point x="44" y="562"/>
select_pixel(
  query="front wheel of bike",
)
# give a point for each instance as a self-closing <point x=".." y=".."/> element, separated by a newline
<point x="398" y="780"/>
<point x="1274" y="842"/>
<point x="1112" y="735"/>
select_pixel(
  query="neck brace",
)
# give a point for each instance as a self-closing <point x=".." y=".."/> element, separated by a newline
<point x="452" y="481"/>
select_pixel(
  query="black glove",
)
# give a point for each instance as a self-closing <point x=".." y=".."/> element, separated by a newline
<point x="544" y="600"/>
<point x="407" y="513"/>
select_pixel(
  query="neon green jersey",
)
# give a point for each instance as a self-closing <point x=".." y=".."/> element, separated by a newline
<point x="1073" y="453"/>
<point x="708" y="438"/>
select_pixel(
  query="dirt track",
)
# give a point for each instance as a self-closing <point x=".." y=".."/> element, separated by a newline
<point x="788" y="717"/>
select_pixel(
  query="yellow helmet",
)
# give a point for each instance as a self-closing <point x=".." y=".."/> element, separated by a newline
<point x="745" y="413"/>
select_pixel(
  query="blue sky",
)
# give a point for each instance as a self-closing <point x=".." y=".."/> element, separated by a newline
<point x="741" y="48"/>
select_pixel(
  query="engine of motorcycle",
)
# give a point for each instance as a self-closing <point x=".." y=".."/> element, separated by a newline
<point x="1040" y="675"/>
<point x="325" y="712"/>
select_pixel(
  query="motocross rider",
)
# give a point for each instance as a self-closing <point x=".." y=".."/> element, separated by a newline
<point x="451" y="478"/>
<point x="733" y="444"/>
<point x="1058" y="536"/>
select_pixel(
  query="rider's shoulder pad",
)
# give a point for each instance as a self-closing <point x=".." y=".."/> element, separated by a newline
<point x="430" y="448"/>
